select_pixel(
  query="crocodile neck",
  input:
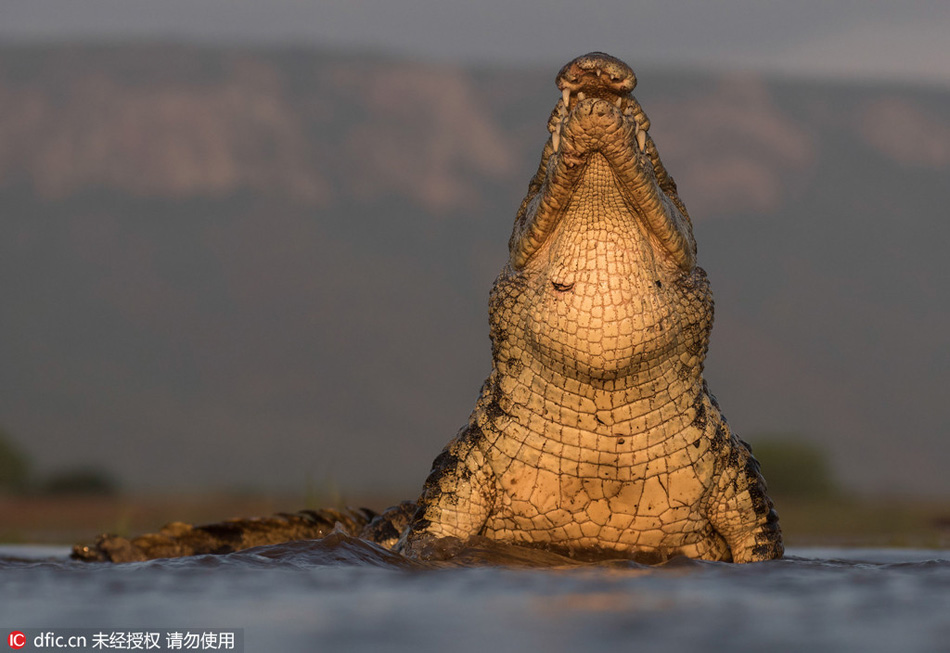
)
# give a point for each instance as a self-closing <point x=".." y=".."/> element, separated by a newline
<point x="588" y="344"/>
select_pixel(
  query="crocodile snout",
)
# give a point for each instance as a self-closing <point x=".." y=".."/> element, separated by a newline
<point x="596" y="73"/>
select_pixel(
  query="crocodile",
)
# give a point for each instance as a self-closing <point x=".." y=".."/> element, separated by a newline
<point x="595" y="430"/>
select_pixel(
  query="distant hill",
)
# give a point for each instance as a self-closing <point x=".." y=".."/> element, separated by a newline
<point x="251" y="268"/>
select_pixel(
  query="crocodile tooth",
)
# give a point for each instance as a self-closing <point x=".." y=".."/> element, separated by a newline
<point x="556" y="138"/>
<point x="618" y="101"/>
<point x="566" y="96"/>
<point x="642" y="140"/>
<point x="581" y="95"/>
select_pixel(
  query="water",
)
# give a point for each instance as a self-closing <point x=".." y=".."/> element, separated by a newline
<point x="344" y="594"/>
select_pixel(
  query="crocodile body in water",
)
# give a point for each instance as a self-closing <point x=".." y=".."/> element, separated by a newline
<point x="595" y="430"/>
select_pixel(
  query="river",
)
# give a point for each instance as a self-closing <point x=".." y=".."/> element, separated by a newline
<point x="343" y="594"/>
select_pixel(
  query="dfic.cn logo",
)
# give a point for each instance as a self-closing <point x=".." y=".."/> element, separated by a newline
<point x="16" y="639"/>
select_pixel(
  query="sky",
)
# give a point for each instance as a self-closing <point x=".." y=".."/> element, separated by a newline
<point x="859" y="39"/>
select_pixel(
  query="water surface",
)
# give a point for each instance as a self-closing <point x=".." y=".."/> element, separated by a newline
<point x="344" y="594"/>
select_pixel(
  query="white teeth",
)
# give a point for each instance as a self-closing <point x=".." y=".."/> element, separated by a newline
<point x="642" y="140"/>
<point x="618" y="101"/>
<point x="556" y="138"/>
<point x="566" y="96"/>
<point x="581" y="95"/>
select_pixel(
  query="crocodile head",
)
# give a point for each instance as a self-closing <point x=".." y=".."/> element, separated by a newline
<point x="599" y="133"/>
<point x="602" y="266"/>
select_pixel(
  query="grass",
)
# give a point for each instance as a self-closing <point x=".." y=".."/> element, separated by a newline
<point x="68" y="520"/>
<point x="888" y="522"/>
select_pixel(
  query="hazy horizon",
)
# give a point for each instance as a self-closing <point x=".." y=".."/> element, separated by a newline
<point x="871" y="40"/>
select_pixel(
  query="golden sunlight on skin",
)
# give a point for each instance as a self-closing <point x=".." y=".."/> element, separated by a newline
<point x="595" y="429"/>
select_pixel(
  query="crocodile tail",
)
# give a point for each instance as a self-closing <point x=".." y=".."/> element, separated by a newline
<point x="178" y="539"/>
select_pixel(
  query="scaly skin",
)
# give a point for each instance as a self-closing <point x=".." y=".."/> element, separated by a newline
<point x="595" y="430"/>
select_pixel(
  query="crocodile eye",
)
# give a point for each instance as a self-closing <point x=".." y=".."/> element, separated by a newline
<point x="562" y="287"/>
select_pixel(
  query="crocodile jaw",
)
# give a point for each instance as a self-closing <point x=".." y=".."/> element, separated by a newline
<point x="597" y="115"/>
<point x="602" y="253"/>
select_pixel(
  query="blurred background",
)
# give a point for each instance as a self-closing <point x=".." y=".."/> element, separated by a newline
<point x="246" y="248"/>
